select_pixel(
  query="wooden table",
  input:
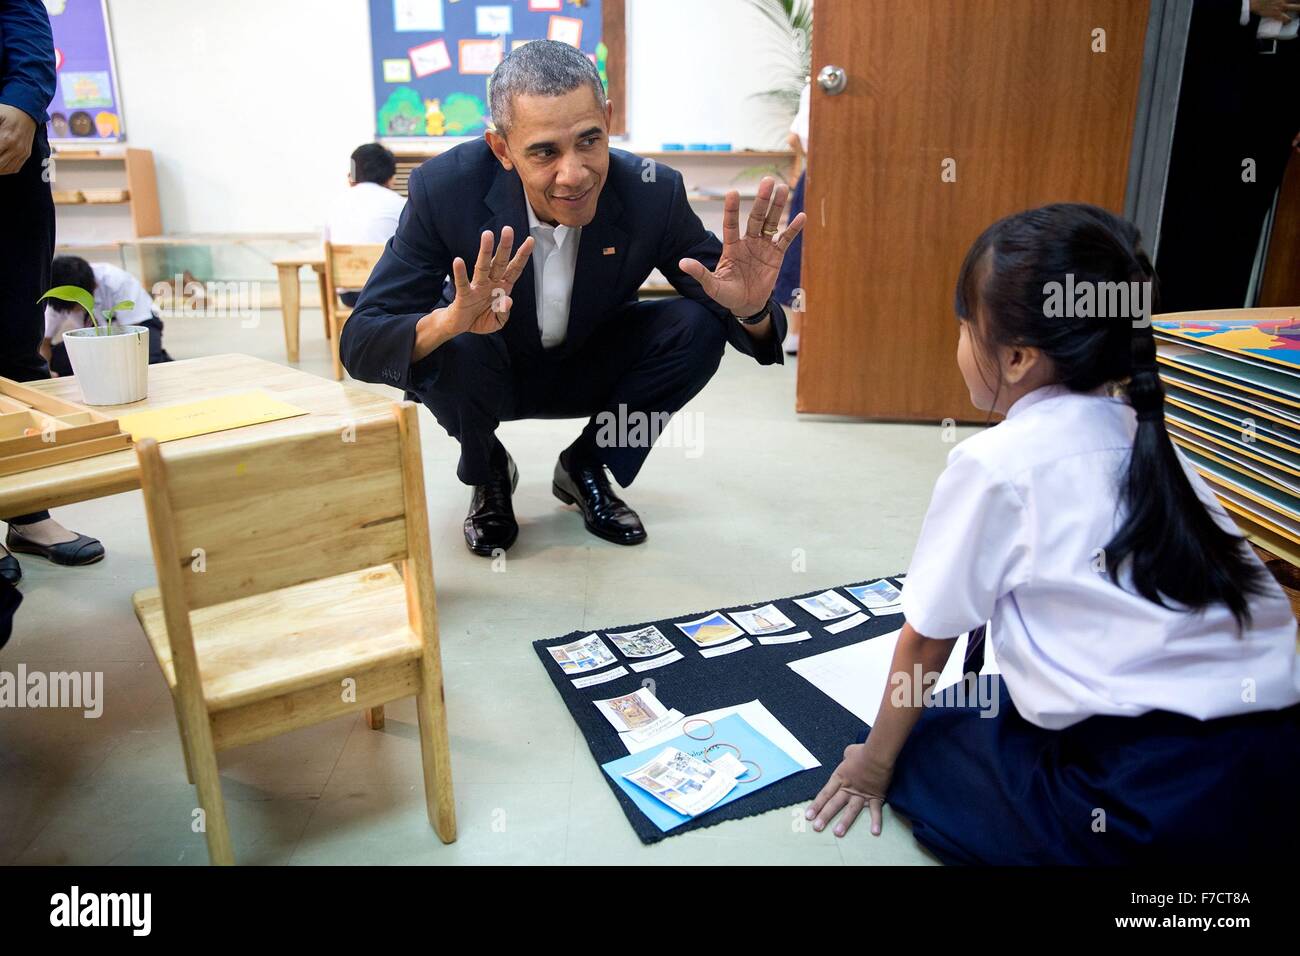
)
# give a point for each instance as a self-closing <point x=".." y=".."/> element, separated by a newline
<point x="174" y="383"/>
<point x="287" y="270"/>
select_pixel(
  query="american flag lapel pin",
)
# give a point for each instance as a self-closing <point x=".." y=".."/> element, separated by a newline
<point x="608" y="251"/>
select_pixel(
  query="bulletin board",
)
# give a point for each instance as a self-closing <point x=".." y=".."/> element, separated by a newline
<point x="431" y="59"/>
<point x="86" y="102"/>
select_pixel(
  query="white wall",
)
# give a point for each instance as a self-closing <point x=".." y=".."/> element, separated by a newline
<point x="251" y="107"/>
<point x="693" y="66"/>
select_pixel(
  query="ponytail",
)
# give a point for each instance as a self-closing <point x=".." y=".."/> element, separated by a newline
<point x="1172" y="545"/>
<point x="1175" y="547"/>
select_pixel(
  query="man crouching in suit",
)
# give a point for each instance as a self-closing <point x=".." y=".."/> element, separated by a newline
<point x="555" y="330"/>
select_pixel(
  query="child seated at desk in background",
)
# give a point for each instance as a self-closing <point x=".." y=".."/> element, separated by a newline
<point x="367" y="213"/>
<point x="109" y="285"/>
<point x="1148" y="691"/>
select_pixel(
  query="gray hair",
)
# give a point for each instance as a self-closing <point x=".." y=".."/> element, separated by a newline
<point x="540" y="68"/>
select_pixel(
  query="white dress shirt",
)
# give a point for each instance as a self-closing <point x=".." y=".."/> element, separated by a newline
<point x="1013" y="535"/>
<point x="112" y="285"/>
<point x="1270" y="29"/>
<point x="555" y="259"/>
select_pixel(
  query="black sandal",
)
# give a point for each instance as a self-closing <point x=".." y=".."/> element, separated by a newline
<point x="83" y="549"/>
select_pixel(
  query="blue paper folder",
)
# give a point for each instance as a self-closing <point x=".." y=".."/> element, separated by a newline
<point x="774" y="763"/>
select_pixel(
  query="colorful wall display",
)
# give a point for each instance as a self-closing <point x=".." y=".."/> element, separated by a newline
<point x="432" y="58"/>
<point x="86" y="103"/>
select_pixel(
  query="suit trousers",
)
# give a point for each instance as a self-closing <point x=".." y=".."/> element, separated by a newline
<point x="641" y="365"/>
<point x="26" y="253"/>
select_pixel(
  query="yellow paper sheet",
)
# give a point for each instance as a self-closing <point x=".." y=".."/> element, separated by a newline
<point x="206" y="416"/>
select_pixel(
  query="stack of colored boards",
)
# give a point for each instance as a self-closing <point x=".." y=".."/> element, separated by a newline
<point x="1232" y="383"/>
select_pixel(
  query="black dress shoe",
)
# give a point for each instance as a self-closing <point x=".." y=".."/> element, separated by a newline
<point x="491" y="523"/>
<point x="605" y="514"/>
<point x="10" y="570"/>
<point x="82" y="549"/>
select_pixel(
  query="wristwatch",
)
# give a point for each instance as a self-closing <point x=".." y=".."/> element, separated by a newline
<point x="754" y="319"/>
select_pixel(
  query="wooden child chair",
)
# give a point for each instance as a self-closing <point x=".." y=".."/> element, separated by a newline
<point x="346" y="267"/>
<point x="282" y="604"/>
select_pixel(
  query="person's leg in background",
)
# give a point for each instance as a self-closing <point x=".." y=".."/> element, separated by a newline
<point x="633" y="374"/>
<point x="156" y="351"/>
<point x="26" y="251"/>
<point x="789" y="280"/>
<point x="10" y="598"/>
<point x="59" y="363"/>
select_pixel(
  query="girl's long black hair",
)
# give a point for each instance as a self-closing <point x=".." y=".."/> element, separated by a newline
<point x="1175" y="549"/>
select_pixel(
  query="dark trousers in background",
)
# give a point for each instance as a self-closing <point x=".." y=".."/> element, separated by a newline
<point x="653" y="357"/>
<point x="789" y="278"/>
<point x="1236" y="104"/>
<point x="26" y="251"/>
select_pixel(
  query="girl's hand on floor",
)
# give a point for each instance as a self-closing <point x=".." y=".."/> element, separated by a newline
<point x="859" y="781"/>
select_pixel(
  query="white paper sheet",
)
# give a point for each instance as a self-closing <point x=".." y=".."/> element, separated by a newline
<point x="856" y="677"/>
<point x="848" y="622"/>
<point x="731" y="648"/>
<point x="591" y="679"/>
<point x="951" y="673"/>
<point x="657" y="662"/>
<point x="785" y="638"/>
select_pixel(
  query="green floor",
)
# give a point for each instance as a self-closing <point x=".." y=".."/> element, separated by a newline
<point x="761" y="493"/>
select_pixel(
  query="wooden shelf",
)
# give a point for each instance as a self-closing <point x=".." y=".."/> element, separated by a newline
<point x="106" y="244"/>
<point x="92" y="202"/>
<point x="121" y="168"/>
<point x="75" y="156"/>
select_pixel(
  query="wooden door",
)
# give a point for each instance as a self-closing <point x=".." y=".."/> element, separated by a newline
<point x="1011" y="96"/>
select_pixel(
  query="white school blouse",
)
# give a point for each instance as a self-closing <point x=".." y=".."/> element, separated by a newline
<point x="1013" y="534"/>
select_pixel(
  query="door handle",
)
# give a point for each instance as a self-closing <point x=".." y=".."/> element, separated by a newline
<point x="832" y="79"/>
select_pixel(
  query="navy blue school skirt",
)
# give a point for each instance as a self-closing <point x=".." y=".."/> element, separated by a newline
<point x="1160" y="788"/>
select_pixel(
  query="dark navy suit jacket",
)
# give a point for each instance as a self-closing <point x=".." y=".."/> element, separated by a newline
<point x="453" y="197"/>
<point x="26" y="57"/>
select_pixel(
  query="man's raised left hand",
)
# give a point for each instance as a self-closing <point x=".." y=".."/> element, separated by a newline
<point x="746" y="271"/>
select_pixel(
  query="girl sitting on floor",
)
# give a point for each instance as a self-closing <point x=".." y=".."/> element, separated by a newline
<point x="1148" y="692"/>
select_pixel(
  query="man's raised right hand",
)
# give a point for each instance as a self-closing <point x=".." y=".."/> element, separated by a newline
<point x="482" y="304"/>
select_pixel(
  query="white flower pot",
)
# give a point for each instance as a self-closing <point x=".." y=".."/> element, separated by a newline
<point x="112" y="368"/>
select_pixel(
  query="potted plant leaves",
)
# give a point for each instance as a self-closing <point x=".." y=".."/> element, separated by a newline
<point x="110" y="360"/>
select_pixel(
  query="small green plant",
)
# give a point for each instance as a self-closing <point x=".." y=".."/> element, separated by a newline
<point x="79" y="296"/>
